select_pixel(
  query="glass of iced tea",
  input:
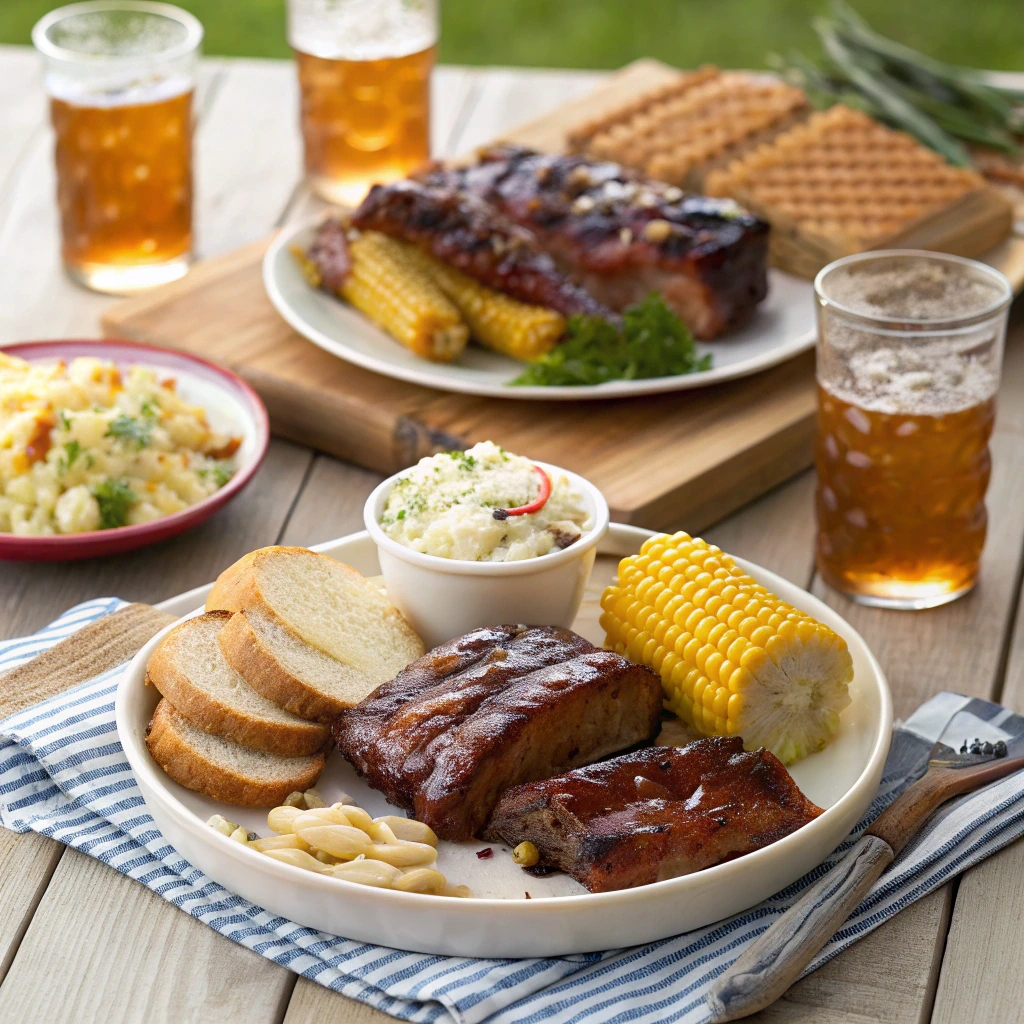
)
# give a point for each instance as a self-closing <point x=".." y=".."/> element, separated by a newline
<point x="364" y="83"/>
<point x="910" y="347"/>
<point x="120" y="77"/>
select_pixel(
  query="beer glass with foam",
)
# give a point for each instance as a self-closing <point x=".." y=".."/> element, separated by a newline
<point x="910" y="349"/>
<point x="364" y="82"/>
<point x="120" y="76"/>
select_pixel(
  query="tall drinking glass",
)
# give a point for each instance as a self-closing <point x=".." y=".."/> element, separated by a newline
<point x="910" y="348"/>
<point x="120" y="76"/>
<point x="364" y="80"/>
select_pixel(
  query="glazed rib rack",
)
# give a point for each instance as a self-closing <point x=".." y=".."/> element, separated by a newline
<point x="497" y="707"/>
<point x="656" y="813"/>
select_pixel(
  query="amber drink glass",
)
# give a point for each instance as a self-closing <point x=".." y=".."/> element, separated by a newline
<point x="364" y="84"/>
<point x="120" y="77"/>
<point x="910" y="347"/>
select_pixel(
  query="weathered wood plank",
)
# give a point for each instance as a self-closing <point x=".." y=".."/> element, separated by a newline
<point x="886" y="978"/>
<point x="26" y="865"/>
<point x="312" y="1002"/>
<point x="104" y="948"/>
<point x="981" y="978"/>
<point x="247" y="154"/>
<point x="509" y="97"/>
<point x="22" y="108"/>
<point x="331" y="503"/>
<point x="775" y="531"/>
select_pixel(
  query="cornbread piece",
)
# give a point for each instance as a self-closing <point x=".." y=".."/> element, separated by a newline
<point x="843" y="183"/>
<point x="473" y="237"/>
<point x="735" y="660"/>
<point x="495" y="708"/>
<point x="701" y="120"/>
<point x="622" y="237"/>
<point x="655" y="814"/>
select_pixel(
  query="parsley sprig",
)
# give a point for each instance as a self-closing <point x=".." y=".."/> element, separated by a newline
<point x="652" y="342"/>
<point x="114" y="498"/>
<point x="132" y="430"/>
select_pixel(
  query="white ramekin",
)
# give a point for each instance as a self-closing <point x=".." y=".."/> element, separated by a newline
<point x="444" y="597"/>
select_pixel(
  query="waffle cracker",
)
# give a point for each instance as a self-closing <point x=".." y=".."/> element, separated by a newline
<point x="841" y="183"/>
<point x="699" y="120"/>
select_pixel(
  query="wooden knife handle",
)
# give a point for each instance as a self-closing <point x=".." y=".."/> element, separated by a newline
<point x="778" y="957"/>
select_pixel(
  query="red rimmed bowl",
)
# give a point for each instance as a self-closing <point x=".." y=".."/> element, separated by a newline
<point x="231" y="406"/>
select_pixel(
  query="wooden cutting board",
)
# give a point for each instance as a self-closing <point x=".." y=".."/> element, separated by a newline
<point x="684" y="459"/>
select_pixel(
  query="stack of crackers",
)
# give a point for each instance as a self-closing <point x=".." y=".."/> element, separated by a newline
<point x="831" y="183"/>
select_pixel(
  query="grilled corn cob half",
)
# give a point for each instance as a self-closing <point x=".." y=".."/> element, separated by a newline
<point x="733" y="658"/>
<point x="496" y="320"/>
<point x="386" y="284"/>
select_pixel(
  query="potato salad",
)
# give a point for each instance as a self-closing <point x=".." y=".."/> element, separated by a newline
<point x="464" y="505"/>
<point x="84" y="446"/>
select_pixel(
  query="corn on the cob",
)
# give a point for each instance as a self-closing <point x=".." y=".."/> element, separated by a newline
<point x="387" y="285"/>
<point x="496" y="320"/>
<point x="733" y="658"/>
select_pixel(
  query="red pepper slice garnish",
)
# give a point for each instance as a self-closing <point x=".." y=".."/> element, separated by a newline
<point x="534" y="506"/>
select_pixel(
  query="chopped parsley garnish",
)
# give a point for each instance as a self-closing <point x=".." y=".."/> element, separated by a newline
<point x="72" y="449"/>
<point x="65" y="419"/>
<point x="130" y="429"/>
<point x="401" y="514"/>
<point x="220" y="474"/>
<point x="115" y="498"/>
<point x="149" y="408"/>
<point x="652" y="342"/>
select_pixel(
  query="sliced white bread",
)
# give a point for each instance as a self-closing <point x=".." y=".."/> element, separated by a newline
<point x="189" y="669"/>
<point x="224" y="770"/>
<point x="281" y="666"/>
<point x="293" y="596"/>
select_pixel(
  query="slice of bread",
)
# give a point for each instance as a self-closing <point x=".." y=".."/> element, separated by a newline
<point x="292" y="595"/>
<point x="189" y="669"/>
<point x="224" y="770"/>
<point x="288" y="671"/>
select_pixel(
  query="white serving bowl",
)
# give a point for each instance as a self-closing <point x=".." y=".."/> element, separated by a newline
<point x="445" y="597"/>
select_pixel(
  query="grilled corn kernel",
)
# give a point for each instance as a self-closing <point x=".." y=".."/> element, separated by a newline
<point x="734" y="659"/>
<point x="386" y="284"/>
<point x="526" y="855"/>
<point x="496" y="320"/>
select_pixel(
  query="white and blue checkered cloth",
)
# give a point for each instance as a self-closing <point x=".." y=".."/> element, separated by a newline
<point x="63" y="774"/>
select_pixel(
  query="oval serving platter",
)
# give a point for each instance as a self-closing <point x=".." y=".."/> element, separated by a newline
<point x="499" y="921"/>
<point x="781" y="327"/>
<point x="231" y="405"/>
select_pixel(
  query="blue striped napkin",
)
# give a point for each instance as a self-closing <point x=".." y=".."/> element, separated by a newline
<point x="63" y="774"/>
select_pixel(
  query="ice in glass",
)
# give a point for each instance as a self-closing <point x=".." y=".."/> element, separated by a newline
<point x="120" y="76"/>
<point x="364" y="83"/>
<point x="909" y="355"/>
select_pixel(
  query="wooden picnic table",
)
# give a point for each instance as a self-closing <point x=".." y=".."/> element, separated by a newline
<point x="78" y="941"/>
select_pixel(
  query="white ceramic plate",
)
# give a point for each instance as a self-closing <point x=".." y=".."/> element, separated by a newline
<point x="782" y="327"/>
<point x="561" y="917"/>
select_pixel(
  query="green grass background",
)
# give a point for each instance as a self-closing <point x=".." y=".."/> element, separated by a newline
<point x="608" y="33"/>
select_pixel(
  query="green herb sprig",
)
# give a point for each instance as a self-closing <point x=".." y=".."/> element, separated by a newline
<point x="652" y="342"/>
<point x="114" y="498"/>
<point x="942" y="105"/>
<point x="131" y="430"/>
